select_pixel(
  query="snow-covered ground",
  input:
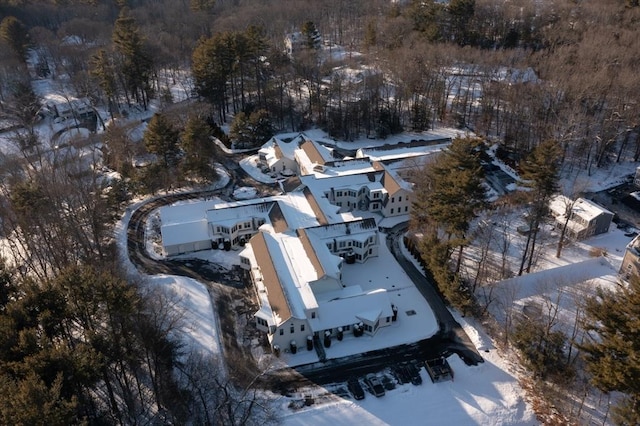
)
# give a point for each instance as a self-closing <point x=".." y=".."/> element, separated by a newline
<point x="488" y="394"/>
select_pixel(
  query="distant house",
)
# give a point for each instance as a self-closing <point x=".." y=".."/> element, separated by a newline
<point x="67" y="109"/>
<point x="277" y="155"/>
<point x="297" y="41"/>
<point x="631" y="260"/>
<point x="586" y="218"/>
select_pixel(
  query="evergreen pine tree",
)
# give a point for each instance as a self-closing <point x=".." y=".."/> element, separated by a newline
<point x="452" y="194"/>
<point x="161" y="138"/>
<point x="198" y="148"/>
<point x="15" y="34"/>
<point x="613" y="346"/>
<point x="135" y="63"/>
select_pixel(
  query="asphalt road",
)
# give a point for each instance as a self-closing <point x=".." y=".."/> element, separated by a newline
<point x="451" y="333"/>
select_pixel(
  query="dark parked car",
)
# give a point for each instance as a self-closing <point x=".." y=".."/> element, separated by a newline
<point x="355" y="388"/>
<point x="414" y="372"/>
<point x="388" y="383"/>
<point x="374" y="385"/>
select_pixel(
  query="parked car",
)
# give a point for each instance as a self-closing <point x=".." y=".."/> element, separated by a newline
<point x="414" y="372"/>
<point x="355" y="388"/>
<point x="401" y="373"/>
<point x="388" y="383"/>
<point x="374" y="385"/>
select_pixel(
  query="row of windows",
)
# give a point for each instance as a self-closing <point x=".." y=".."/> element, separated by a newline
<point x="236" y="227"/>
<point x="292" y="329"/>
<point x="406" y="209"/>
<point x="348" y="193"/>
<point x="350" y="243"/>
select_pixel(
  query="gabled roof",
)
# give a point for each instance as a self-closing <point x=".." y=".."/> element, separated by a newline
<point x="317" y="154"/>
<point x="278" y="151"/>
<point x="391" y="181"/>
<point x="582" y="207"/>
<point x="351" y="309"/>
<point x="277" y="219"/>
<point x="277" y="299"/>
<point x="313" y="203"/>
<point x="311" y="252"/>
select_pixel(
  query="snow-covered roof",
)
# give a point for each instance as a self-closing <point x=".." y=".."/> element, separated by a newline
<point x="277" y="148"/>
<point x="585" y="209"/>
<point x="351" y="309"/>
<point x="311" y="153"/>
<point x="321" y="185"/>
<point x="362" y="227"/>
<point x="185" y="212"/>
<point x="184" y="233"/>
<point x="398" y="153"/>
<point x="285" y="272"/>
<point x="321" y="259"/>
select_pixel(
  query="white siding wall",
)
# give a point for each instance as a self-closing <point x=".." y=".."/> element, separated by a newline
<point x="299" y="335"/>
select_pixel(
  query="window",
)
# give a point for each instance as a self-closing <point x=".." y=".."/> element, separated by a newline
<point x="341" y="244"/>
<point x="282" y="332"/>
<point x="313" y="314"/>
<point x="406" y="208"/>
<point x="388" y="319"/>
<point x="391" y="211"/>
<point x="301" y="327"/>
<point x="399" y="199"/>
<point x="370" y="251"/>
<point x="292" y="329"/>
<point x="393" y="199"/>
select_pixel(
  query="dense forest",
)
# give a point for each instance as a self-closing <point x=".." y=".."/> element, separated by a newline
<point x="553" y="82"/>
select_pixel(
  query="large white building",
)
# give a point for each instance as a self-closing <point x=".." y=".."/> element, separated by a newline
<point x="298" y="282"/>
<point x="295" y="246"/>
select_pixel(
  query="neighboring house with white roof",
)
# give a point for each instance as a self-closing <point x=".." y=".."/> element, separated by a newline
<point x="586" y="218"/>
<point x="277" y="155"/>
<point x="63" y="109"/>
